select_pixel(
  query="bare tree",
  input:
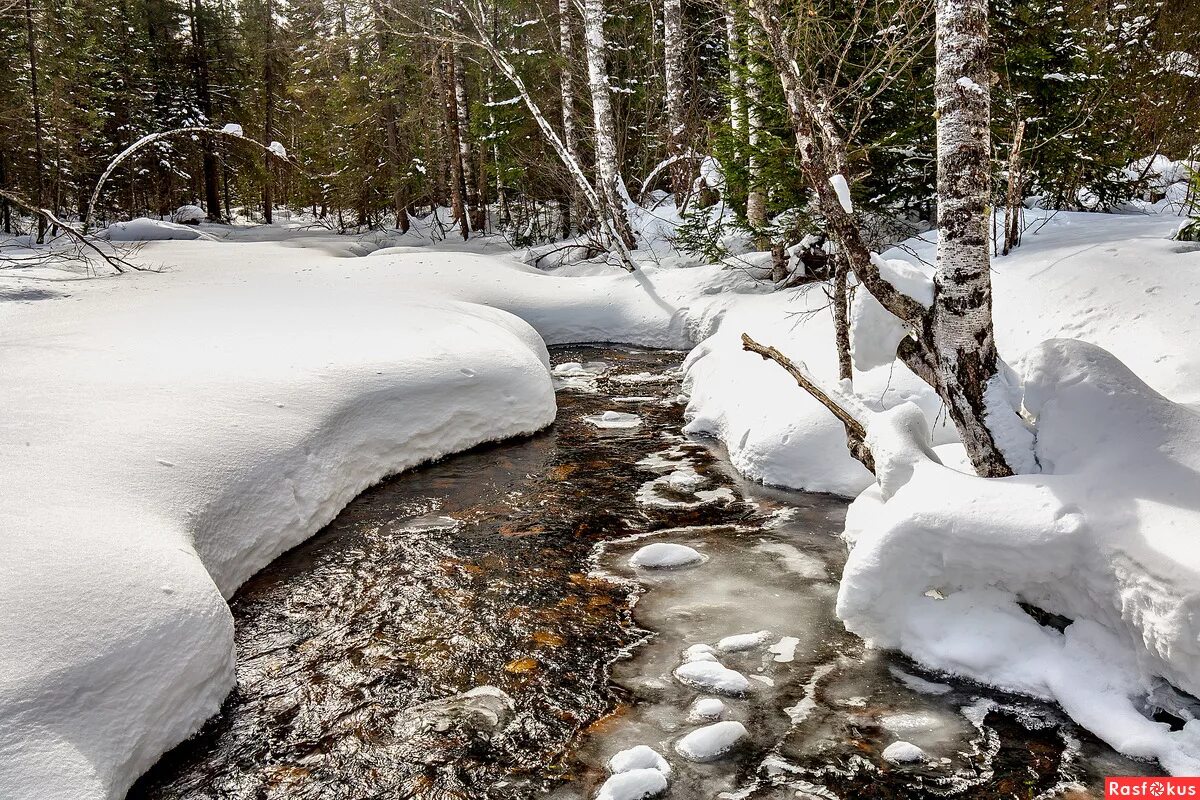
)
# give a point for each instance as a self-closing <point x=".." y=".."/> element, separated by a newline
<point x="951" y="344"/>
<point x="612" y="186"/>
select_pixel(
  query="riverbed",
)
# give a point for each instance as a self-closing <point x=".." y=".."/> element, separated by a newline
<point x="474" y="629"/>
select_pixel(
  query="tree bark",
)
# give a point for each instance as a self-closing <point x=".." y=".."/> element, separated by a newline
<point x="961" y="322"/>
<point x="390" y="112"/>
<point x="268" y="110"/>
<point x="841" y="317"/>
<point x="212" y="195"/>
<point x="453" y="149"/>
<point x="566" y="52"/>
<point x="612" y="186"/>
<point x="673" y="51"/>
<point x="1014" y="201"/>
<point x="462" y="110"/>
<point x="39" y="159"/>
<point x="756" y="198"/>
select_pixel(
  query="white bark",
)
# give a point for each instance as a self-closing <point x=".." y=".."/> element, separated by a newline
<point x="733" y="46"/>
<point x="462" y="109"/>
<point x="612" y="187"/>
<point x="566" y="49"/>
<point x="756" y="200"/>
<point x="673" y="49"/>
<point x="961" y="329"/>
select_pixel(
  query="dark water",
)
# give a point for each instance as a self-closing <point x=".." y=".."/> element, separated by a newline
<point x="358" y="652"/>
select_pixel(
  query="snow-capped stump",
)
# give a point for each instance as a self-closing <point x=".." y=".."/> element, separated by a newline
<point x="638" y="757"/>
<point x="614" y="419"/>
<point x="904" y="753"/>
<point x="706" y="709"/>
<point x="665" y="555"/>
<point x="635" y="784"/>
<point x="712" y="741"/>
<point x="189" y="215"/>
<point x="743" y="641"/>
<point x="712" y="676"/>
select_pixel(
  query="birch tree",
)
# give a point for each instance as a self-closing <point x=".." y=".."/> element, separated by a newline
<point x="674" y="75"/>
<point x="612" y="192"/>
<point x="566" y="52"/>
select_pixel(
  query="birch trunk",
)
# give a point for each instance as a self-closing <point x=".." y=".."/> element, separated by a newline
<point x="453" y="151"/>
<point x="961" y="320"/>
<point x="1013" y="202"/>
<point x="566" y="51"/>
<point x="737" y="110"/>
<point x="268" y="110"/>
<point x="673" y="49"/>
<point x="612" y="188"/>
<point x="756" y="198"/>
<point x="466" y="157"/>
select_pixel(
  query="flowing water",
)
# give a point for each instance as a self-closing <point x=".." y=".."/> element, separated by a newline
<point x="474" y="629"/>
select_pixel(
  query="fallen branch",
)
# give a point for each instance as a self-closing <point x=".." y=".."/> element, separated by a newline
<point x="116" y="262"/>
<point x="848" y="410"/>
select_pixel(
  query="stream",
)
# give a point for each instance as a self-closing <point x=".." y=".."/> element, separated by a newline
<point x="474" y="629"/>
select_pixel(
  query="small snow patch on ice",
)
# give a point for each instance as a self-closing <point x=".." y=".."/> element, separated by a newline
<point x="665" y="555"/>
<point x="712" y="741"/>
<point x="784" y="649"/>
<point x="706" y="709"/>
<point x="918" y="684"/>
<point x="743" y="641"/>
<point x="712" y="676"/>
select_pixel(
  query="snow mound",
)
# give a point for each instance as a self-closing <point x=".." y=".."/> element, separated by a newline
<point x="189" y="214"/>
<point x="638" y="757"/>
<point x="665" y="555"/>
<point x="712" y="676"/>
<point x="712" y="741"/>
<point x="633" y="785"/>
<point x="167" y="435"/>
<point x="706" y="709"/>
<point x="144" y="229"/>
<point x="903" y="753"/>
<point x="1104" y="537"/>
<point x="743" y="641"/>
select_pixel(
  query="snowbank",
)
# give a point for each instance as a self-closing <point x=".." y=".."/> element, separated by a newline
<point x="144" y="229"/>
<point x="1105" y="537"/>
<point x="164" y="436"/>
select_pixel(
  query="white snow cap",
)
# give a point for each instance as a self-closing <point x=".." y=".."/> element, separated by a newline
<point x="712" y="741"/>
<point x="189" y="213"/>
<point x="233" y="129"/>
<point x="712" y="676"/>
<point x="278" y="149"/>
<point x="633" y="785"/>
<point x="743" y="641"/>
<point x="903" y="753"/>
<point x="706" y="709"/>
<point x="638" y="757"/>
<point x="665" y="555"/>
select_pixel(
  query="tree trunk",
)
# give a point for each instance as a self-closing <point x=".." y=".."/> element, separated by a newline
<point x="673" y="51"/>
<point x="462" y="110"/>
<point x="737" y="109"/>
<point x="212" y="196"/>
<point x="756" y="198"/>
<point x="39" y="162"/>
<point x="961" y="320"/>
<point x="566" y="52"/>
<point x="453" y="150"/>
<point x="612" y="188"/>
<point x="841" y="317"/>
<point x="268" y="109"/>
<point x="390" y="111"/>
<point x="1014" y="201"/>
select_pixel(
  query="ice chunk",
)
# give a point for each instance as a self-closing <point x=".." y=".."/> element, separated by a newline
<point x="712" y="741"/>
<point x="784" y="649"/>
<point x="712" y="676"/>
<point x="633" y="785"/>
<point x="638" y="757"/>
<point x="614" y="419"/>
<point x="665" y="555"/>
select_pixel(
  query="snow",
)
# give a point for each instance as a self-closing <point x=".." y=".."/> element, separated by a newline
<point x="144" y="229"/>
<point x="1104" y="537"/>
<point x="186" y="214"/>
<point x="712" y="741"/>
<point x="902" y="752"/>
<point x="969" y="85"/>
<point x="712" y="676"/>
<point x="706" y="709"/>
<point x="743" y="641"/>
<point x="233" y="129"/>
<point x="842" y="189"/>
<point x="639" y="757"/>
<point x="278" y="149"/>
<point x="633" y="785"/>
<point x="785" y="649"/>
<point x="665" y="555"/>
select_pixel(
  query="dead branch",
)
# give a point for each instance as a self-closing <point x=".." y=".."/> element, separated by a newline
<point x="856" y="429"/>
<point x="116" y="262"/>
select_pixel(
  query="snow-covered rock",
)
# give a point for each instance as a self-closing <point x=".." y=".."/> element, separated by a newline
<point x="712" y="741"/>
<point x="633" y="785"/>
<point x="638" y="757"/>
<point x="903" y="753"/>
<point x="743" y="641"/>
<point x="614" y="419"/>
<point x="712" y="676"/>
<point x="189" y="215"/>
<point x="665" y="555"/>
<point x="706" y="709"/>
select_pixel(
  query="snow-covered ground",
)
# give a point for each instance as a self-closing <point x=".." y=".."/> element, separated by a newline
<point x="166" y="435"/>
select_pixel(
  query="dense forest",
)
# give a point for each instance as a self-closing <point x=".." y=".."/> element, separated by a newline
<point x="506" y="112"/>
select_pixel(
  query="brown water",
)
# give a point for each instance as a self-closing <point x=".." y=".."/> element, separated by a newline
<point x="506" y="567"/>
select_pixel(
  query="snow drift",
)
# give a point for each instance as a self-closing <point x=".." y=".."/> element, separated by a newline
<point x="1105" y="537"/>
